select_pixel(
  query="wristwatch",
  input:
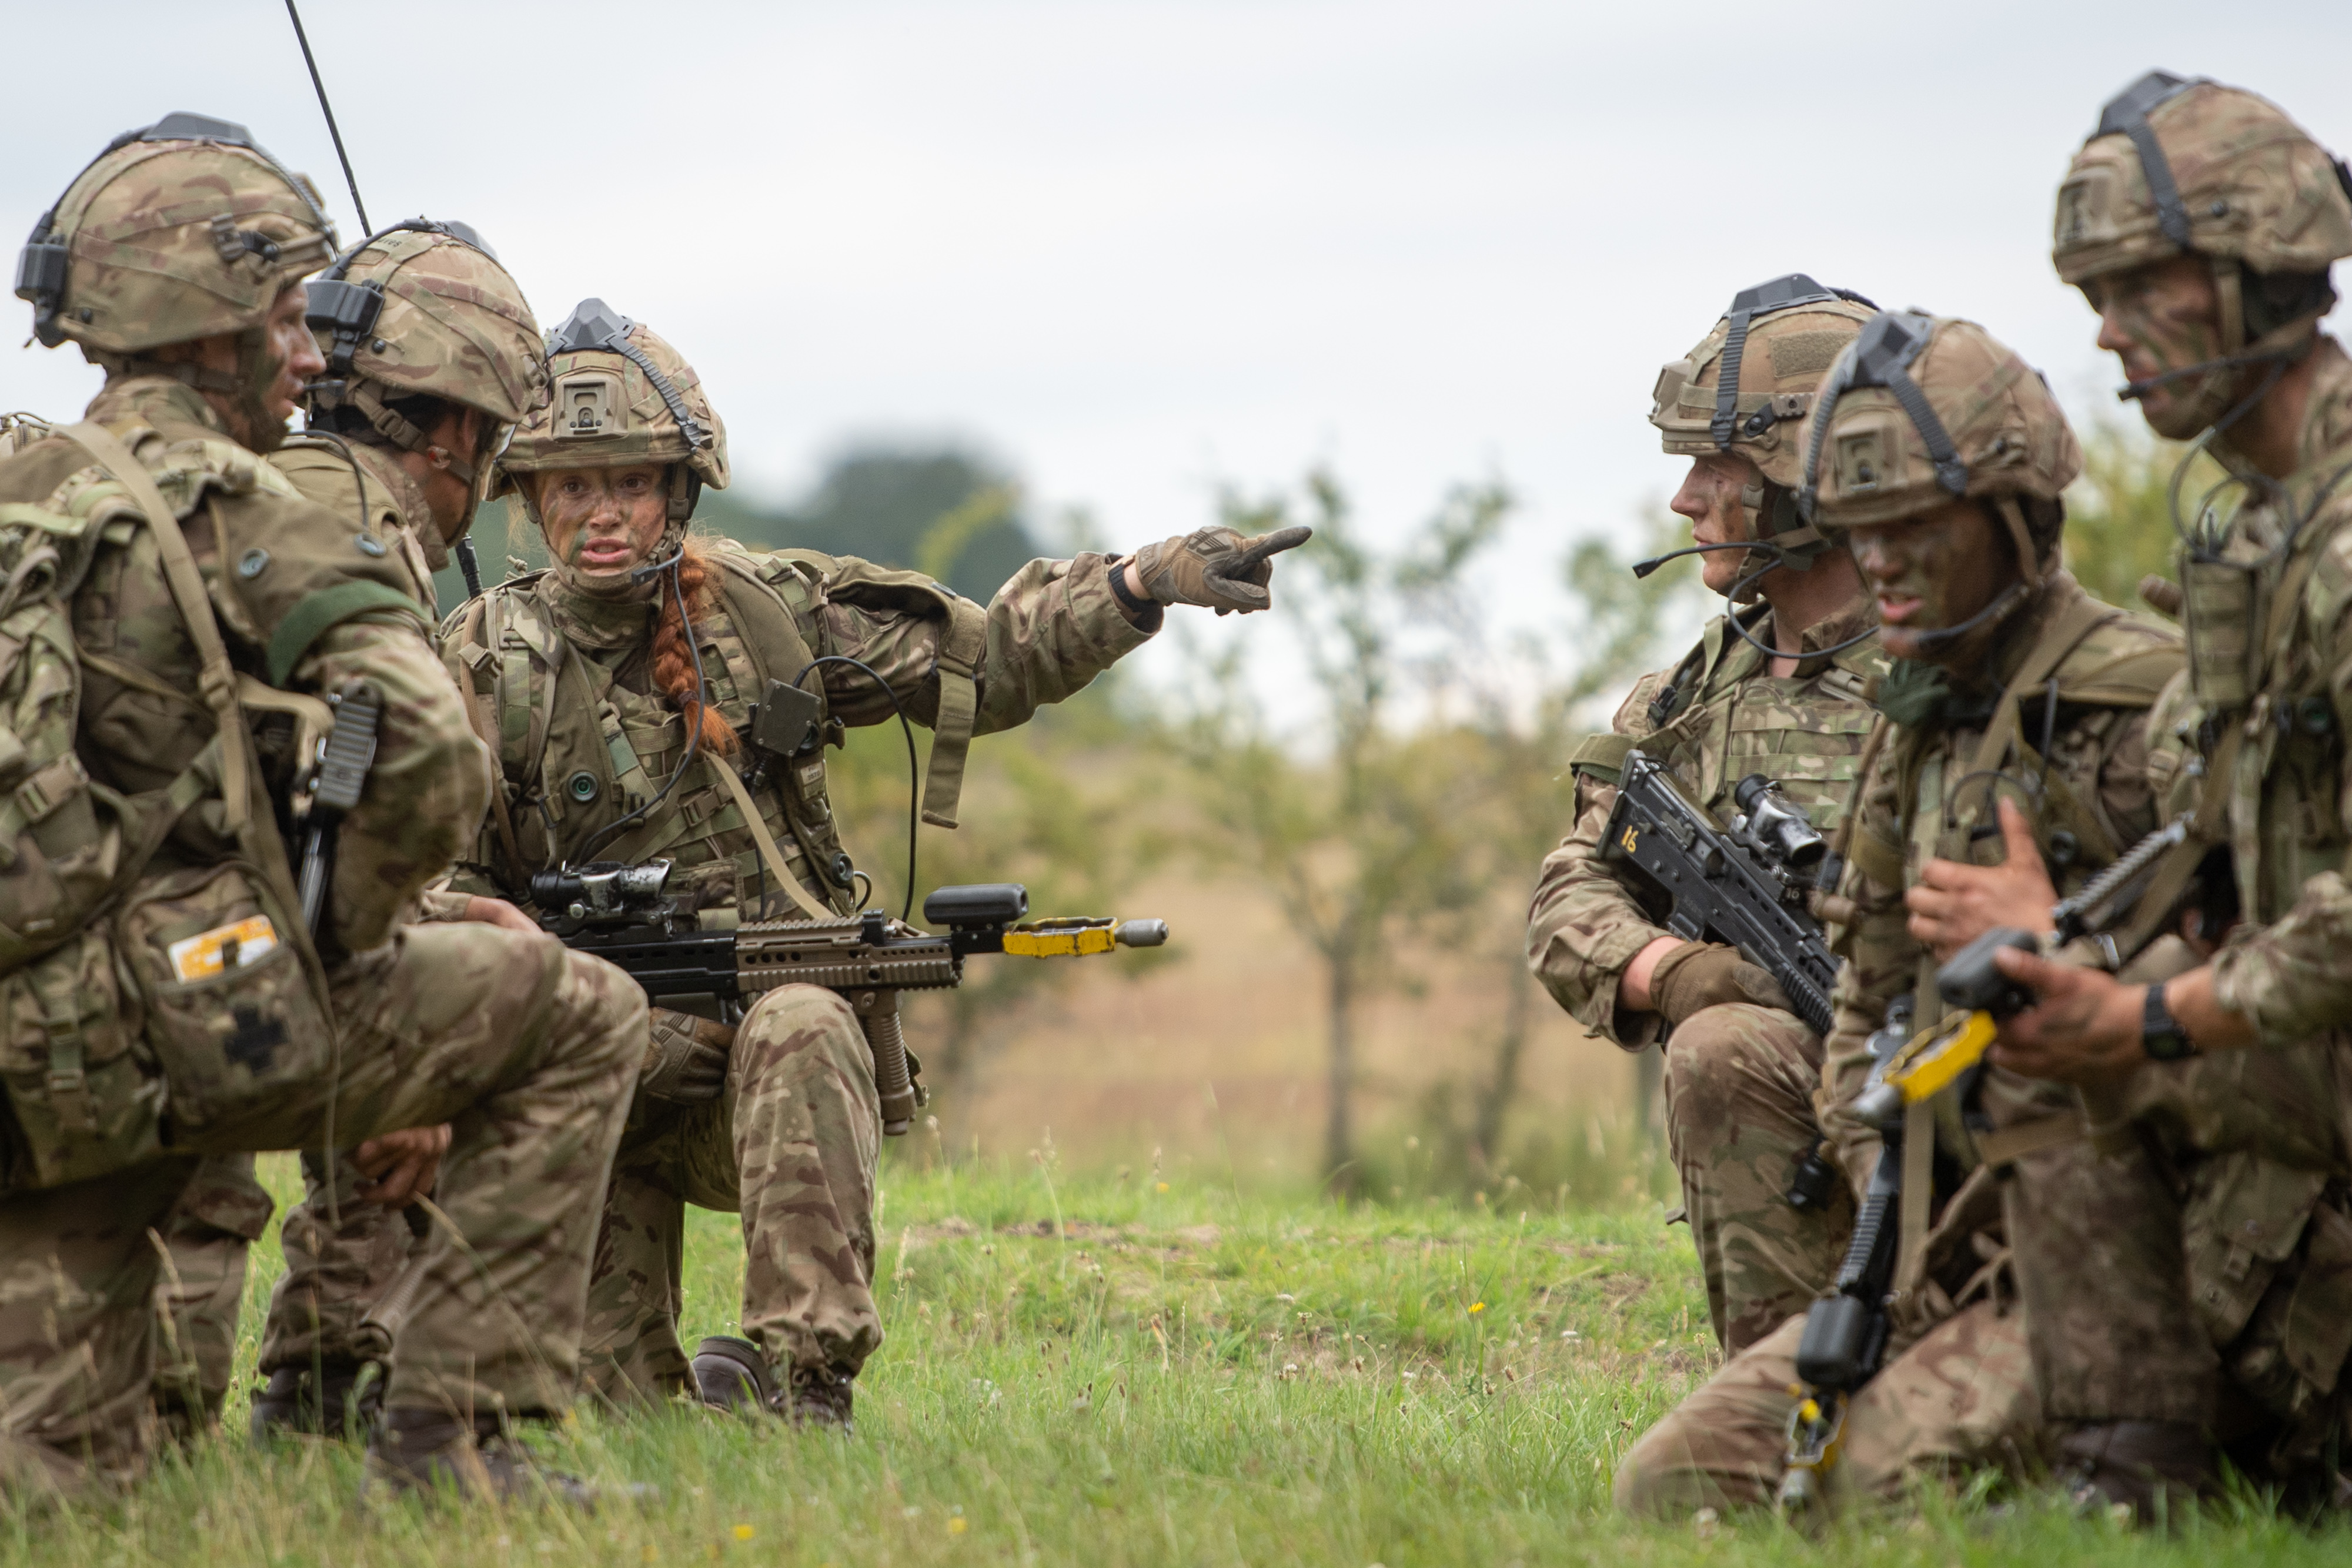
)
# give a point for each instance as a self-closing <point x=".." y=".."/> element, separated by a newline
<point x="2160" y="1034"/>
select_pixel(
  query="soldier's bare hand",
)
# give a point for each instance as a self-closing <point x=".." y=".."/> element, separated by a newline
<point x="402" y="1167"/>
<point x="500" y="912"/>
<point x="2085" y="1028"/>
<point x="1953" y="903"/>
<point x="1216" y="566"/>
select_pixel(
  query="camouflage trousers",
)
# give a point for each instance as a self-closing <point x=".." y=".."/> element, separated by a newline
<point x="1958" y="1398"/>
<point x="218" y="1217"/>
<point x="1739" y="1083"/>
<point x="2198" y="1266"/>
<point x="343" y="1256"/>
<point x="527" y="1050"/>
<point x="791" y="1145"/>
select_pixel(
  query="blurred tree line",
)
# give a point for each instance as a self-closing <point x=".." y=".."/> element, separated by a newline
<point x="1405" y="818"/>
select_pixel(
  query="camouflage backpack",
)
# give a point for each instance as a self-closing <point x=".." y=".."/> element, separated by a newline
<point x="96" y="1042"/>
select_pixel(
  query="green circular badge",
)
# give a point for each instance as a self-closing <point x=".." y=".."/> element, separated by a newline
<point x="582" y="785"/>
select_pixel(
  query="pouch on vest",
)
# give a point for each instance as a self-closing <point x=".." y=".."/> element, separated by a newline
<point x="84" y="1091"/>
<point x="2221" y="597"/>
<point x="231" y="1016"/>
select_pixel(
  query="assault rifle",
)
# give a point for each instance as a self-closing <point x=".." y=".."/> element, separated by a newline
<point x="1845" y="1334"/>
<point x="620" y="914"/>
<point x="1745" y="886"/>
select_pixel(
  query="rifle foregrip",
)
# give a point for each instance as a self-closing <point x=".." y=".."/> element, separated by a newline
<point x="1810" y="1005"/>
<point x="886" y="1037"/>
<point x="1877" y="1210"/>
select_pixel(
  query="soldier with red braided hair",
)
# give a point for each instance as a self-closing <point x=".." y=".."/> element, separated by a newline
<point x="615" y="689"/>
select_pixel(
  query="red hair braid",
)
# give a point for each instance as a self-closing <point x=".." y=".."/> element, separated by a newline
<point x="673" y="666"/>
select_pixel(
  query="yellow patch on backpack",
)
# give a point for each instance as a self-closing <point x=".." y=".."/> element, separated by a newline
<point x="208" y="953"/>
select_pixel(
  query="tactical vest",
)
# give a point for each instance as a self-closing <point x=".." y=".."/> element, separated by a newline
<point x="578" y="751"/>
<point x="1720" y="716"/>
<point x="2074" y="684"/>
<point x="146" y="1003"/>
<point x="2264" y="707"/>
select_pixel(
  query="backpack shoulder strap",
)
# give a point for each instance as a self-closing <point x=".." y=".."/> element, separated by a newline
<point x="216" y="678"/>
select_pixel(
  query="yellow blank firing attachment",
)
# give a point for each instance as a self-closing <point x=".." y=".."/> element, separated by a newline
<point x="1938" y="1054"/>
<point x="1074" y="936"/>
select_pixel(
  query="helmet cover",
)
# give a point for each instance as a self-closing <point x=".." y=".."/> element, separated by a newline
<point x="1769" y="350"/>
<point x="425" y="308"/>
<point x="1923" y="410"/>
<point x="182" y="230"/>
<point x="619" y="395"/>
<point x="2176" y="166"/>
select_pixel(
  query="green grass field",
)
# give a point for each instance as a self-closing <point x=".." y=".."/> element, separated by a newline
<point x="1122" y="1371"/>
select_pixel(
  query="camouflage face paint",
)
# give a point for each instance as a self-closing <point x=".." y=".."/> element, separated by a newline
<point x="1931" y="571"/>
<point x="2157" y="319"/>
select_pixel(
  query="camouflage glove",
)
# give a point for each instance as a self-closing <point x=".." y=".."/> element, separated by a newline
<point x="687" y="1063"/>
<point x="1707" y="974"/>
<point x="1215" y="567"/>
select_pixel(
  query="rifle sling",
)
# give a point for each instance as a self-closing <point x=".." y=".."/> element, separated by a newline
<point x="768" y="853"/>
<point x="1918" y="1189"/>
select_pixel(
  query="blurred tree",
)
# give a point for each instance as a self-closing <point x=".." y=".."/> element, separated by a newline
<point x="1618" y="627"/>
<point x="1377" y="838"/>
<point x="2119" y="519"/>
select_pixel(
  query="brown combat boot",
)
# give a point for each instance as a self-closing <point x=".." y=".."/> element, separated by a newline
<point x="2158" y="1470"/>
<point x="331" y="1398"/>
<point x="424" y="1453"/>
<point x="730" y="1373"/>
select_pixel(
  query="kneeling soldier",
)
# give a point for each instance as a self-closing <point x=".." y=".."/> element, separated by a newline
<point x="2019" y="712"/>
<point x="616" y="688"/>
<point x="177" y="613"/>
<point x="1776" y="688"/>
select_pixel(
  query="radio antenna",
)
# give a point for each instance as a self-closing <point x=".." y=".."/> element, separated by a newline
<point x="328" y="109"/>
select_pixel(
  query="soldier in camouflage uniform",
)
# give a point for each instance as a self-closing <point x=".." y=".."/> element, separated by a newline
<point x="433" y="357"/>
<point x="615" y="688"/>
<point x="2019" y="706"/>
<point x="161" y="998"/>
<point x="1741" y="1069"/>
<point x="2200" y="222"/>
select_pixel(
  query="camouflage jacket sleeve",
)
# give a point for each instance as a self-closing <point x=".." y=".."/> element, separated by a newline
<point x="1051" y="629"/>
<point x="1584" y="925"/>
<point x="427" y="789"/>
<point x="362" y="482"/>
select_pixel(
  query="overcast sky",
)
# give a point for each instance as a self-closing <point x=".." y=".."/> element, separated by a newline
<point x="1141" y="249"/>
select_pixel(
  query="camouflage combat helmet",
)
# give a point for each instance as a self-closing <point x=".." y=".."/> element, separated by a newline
<point x="2183" y="167"/>
<point x="1922" y="410"/>
<point x="423" y="308"/>
<point x="1744" y="389"/>
<point x="621" y="395"/>
<point x="180" y="230"/>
